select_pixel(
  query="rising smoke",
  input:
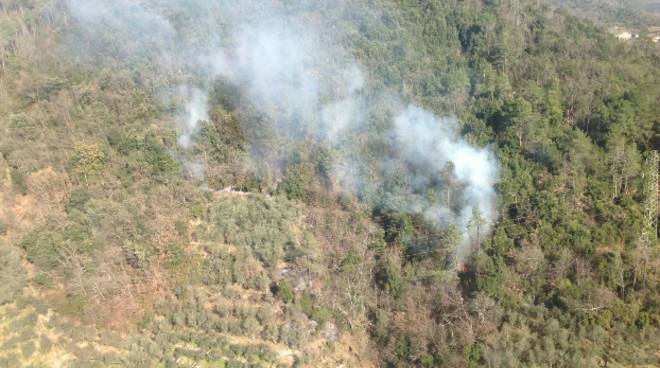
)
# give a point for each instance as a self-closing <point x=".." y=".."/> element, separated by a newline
<point x="307" y="86"/>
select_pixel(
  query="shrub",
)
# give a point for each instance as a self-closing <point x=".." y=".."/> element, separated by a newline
<point x="197" y="212"/>
<point x="10" y="360"/>
<point x="404" y="350"/>
<point x="282" y="290"/>
<point x="181" y="228"/>
<point x="260" y="281"/>
<point x="123" y="143"/>
<point x="77" y="200"/>
<point x="473" y="355"/>
<point x="45" y="344"/>
<point x="388" y="278"/>
<point x="176" y="256"/>
<point x="88" y="160"/>
<point x="18" y="181"/>
<point x="74" y="305"/>
<point x="138" y="255"/>
<point x="350" y="262"/>
<point x="345" y="201"/>
<point x="262" y="225"/>
<point x="265" y="315"/>
<point x="160" y="160"/>
<point x="41" y="249"/>
<point x="12" y="274"/>
<point x="426" y="360"/>
<point x="251" y="326"/>
<point x="270" y="332"/>
<point x="295" y="183"/>
<point x="314" y="311"/>
<point x="28" y="349"/>
<point x="10" y="344"/>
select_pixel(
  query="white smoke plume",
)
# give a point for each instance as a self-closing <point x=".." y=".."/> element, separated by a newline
<point x="308" y="86"/>
<point x="434" y="142"/>
<point x="195" y="110"/>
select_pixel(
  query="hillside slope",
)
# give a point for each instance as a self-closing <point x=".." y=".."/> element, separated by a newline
<point x="242" y="244"/>
<point x="632" y="13"/>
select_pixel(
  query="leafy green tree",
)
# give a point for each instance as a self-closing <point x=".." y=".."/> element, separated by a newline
<point x="476" y="227"/>
<point x="88" y="160"/>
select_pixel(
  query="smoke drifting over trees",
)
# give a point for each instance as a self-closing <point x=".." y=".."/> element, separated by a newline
<point x="310" y="89"/>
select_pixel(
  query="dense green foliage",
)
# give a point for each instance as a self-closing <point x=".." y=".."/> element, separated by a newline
<point x="262" y="264"/>
<point x="633" y="13"/>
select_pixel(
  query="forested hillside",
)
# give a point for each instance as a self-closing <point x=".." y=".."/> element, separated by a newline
<point x="636" y="13"/>
<point x="423" y="183"/>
